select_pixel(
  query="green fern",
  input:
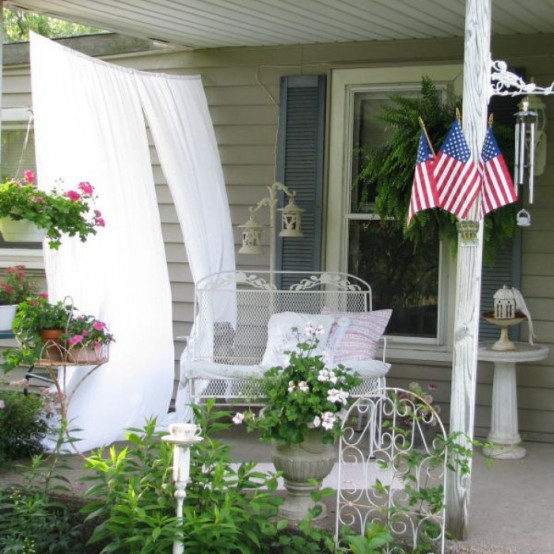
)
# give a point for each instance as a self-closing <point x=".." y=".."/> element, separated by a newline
<point x="389" y="170"/>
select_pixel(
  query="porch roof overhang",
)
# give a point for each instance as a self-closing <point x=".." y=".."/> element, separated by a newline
<point x="196" y="24"/>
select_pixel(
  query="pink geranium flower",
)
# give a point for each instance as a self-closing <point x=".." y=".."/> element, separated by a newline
<point x="100" y="221"/>
<point x="29" y="176"/>
<point x="86" y="188"/>
<point x="73" y="195"/>
<point x="98" y="325"/>
<point x="75" y="339"/>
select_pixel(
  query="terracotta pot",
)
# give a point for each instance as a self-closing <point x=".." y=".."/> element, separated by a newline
<point x="20" y="231"/>
<point x="54" y="349"/>
<point x="311" y="459"/>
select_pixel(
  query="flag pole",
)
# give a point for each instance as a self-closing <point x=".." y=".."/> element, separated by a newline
<point x="424" y="129"/>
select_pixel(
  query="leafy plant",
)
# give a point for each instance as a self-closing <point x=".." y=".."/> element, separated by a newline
<point x="226" y="510"/>
<point x="17" y="286"/>
<point x="24" y="424"/>
<point x="57" y="212"/>
<point x="303" y="395"/>
<point x="388" y="171"/>
<point x="36" y="516"/>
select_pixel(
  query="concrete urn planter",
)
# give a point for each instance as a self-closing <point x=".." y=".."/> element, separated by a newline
<point x="312" y="459"/>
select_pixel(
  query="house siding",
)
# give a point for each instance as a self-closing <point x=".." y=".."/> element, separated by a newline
<point x="242" y="87"/>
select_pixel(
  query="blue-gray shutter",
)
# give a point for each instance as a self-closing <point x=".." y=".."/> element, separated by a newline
<point x="507" y="265"/>
<point x="300" y="167"/>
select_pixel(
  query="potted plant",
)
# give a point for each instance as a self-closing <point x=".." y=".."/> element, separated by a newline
<point x="46" y="213"/>
<point x="55" y="332"/>
<point x="14" y="289"/>
<point x="304" y="403"/>
<point x="87" y="339"/>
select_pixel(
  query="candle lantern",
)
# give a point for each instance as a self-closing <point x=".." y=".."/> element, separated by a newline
<point x="504" y="303"/>
<point x="251" y="237"/>
<point x="291" y="225"/>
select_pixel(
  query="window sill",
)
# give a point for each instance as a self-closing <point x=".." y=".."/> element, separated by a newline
<point x="30" y="257"/>
<point x="419" y="354"/>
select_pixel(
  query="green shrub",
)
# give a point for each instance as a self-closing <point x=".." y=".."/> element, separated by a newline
<point x="227" y="509"/>
<point x="23" y="423"/>
<point x="38" y="515"/>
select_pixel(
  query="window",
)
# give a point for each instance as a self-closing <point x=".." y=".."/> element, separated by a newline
<point x="18" y="154"/>
<point x="414" y="285"/>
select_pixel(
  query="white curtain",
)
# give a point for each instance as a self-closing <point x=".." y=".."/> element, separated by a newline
<point x="177" y="114"/>
<point x="89" y="126"/>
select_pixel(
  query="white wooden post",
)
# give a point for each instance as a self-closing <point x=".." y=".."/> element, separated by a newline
<point x="470" y="249"/>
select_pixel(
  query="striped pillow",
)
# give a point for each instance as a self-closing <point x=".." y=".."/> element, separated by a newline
<point x="361" y="340"/>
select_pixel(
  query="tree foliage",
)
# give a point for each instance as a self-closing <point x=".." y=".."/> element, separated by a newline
<point x="18" y="24"/>
<point x="389" y="170"/>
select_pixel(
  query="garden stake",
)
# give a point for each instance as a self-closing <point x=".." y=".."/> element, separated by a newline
<point x="182" y="436"/>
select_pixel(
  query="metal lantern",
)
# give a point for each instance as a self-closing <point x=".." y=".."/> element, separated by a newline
<point x="504" y="303"/>
<point x="291" y="220"/>
<point x="251" y="237"/>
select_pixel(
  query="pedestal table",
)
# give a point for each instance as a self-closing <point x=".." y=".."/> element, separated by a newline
<point x="504" y="433"/>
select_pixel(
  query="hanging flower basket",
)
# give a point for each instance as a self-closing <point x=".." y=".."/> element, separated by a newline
<point x="20" y="231"/>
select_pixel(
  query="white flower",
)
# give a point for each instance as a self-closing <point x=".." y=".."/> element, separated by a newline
<point x="310" y="329"/>
<point x="332" y="377"/>
<point x="303" y="386"/>
<point x="319" y="330"/>
<point x="337" y="395"/>
<point x="316" y="422"/>
<point x="238" y="418"/>
<point x="292" y="386"/>
<point x="325" y="357"/>
<point x="323" y="376"/>
<point x="327" y="420"/>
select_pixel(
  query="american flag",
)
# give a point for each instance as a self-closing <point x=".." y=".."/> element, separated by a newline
<point x="424" y="190"/>
<point x="457" y="175"/>
<point x="497" y="188"/>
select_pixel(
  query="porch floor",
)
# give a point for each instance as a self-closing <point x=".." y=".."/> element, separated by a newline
<point x="511" y="502"/>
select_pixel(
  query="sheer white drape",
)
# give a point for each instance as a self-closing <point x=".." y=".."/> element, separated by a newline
<point x="177" y="113"/>
<point x="89" y="126"/>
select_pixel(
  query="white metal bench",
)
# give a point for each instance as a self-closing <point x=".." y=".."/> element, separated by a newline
<point x="224" y="354"/>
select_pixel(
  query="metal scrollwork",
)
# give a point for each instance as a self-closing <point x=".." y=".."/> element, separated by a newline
<point x="507" y="83"/>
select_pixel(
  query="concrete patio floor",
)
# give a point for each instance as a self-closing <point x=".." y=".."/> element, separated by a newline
<point x="511" y="503"/>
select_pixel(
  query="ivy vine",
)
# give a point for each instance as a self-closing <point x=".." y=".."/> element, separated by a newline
<point x="388" y="170"/>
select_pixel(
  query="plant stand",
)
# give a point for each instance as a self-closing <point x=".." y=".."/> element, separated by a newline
<point x="57" y="373"/>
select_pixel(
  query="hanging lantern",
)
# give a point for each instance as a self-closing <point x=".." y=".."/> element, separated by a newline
<point x="525" y="142"/>
<point x="251" y="237"/>
<point x="291" y="220"/>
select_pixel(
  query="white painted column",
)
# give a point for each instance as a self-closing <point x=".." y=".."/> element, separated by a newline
<point x="469" y="259"/>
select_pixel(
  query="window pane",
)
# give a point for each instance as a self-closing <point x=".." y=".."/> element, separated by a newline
<point x="401" y="278"/>
<point x="18" y="154"/>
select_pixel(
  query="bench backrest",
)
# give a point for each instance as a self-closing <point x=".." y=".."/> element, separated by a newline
<point x="242" y="341"/>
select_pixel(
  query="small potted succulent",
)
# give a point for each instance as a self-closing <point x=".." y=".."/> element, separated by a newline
<point x="304" y="403"/>
<point x="28" y="213"/>
<point x="15" y="288"/>
<point x="56" y="333"/>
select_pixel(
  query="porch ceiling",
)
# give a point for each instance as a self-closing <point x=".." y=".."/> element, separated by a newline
<point x="220" y="23"/>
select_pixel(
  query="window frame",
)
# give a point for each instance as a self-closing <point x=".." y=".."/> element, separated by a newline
<point x="343" y="86"/>
<point x="17" y="119"/>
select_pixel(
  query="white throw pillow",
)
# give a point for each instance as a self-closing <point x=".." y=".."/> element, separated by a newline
<point x="282" y="336"/>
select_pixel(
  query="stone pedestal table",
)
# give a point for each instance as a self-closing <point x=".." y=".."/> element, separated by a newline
<point x="504" y="433"/>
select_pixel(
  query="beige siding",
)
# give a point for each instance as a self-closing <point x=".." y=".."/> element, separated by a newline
<point x="242" y="87"/>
